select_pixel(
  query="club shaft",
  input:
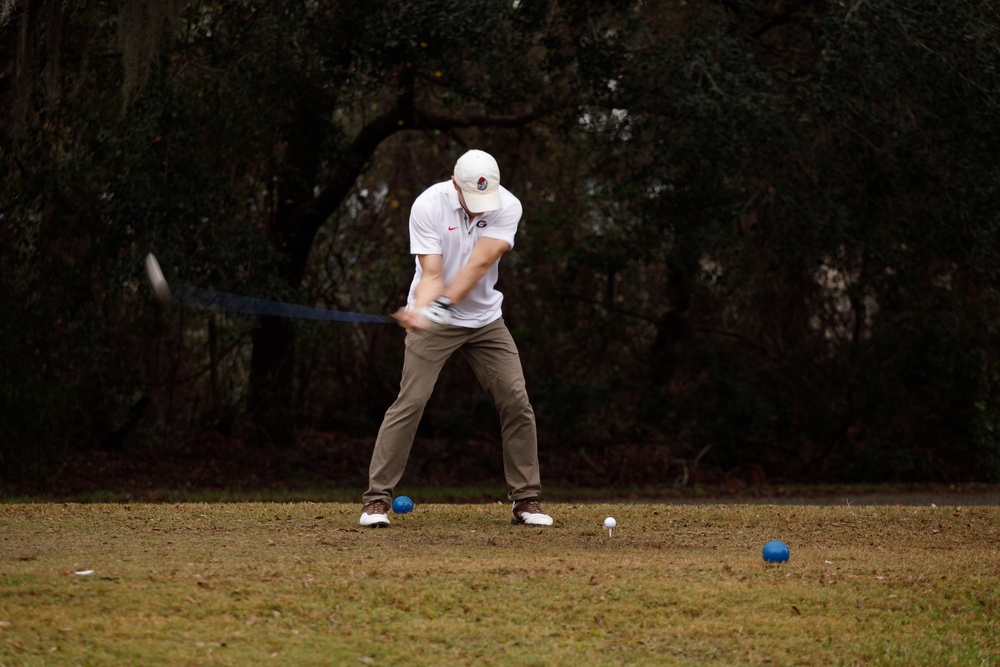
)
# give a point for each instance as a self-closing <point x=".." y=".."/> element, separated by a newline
<point x="205" y="299"/>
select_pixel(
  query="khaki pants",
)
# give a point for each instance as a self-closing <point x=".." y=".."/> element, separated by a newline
<point x="493" y="356"/>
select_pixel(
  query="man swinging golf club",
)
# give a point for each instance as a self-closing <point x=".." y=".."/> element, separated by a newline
<point x="459" y="229"/>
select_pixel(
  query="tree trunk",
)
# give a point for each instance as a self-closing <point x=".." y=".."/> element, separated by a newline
<point x="271" y="378"/>
<point x="271" y="396"/>
<point x="673" y="330"/>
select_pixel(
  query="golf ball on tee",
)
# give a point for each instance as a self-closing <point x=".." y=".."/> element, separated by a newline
<point x="610" y="523"/>
<point x="402" y="505"/>
<point x="775" y="551"/>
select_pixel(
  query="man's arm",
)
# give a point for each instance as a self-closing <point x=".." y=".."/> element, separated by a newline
<point x="484" y="255"/>
<point x="431" y="285"/>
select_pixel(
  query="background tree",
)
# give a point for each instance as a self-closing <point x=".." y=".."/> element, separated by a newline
<point x="760" y="239"/>
<point x="808" y="217"/>
<point x="233" y="153"/>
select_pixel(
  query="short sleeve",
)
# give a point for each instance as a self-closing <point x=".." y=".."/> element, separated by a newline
<point x="504" y="226"/>
<point x="425" y="228"/>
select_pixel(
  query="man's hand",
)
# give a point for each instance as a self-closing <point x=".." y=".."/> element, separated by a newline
<point x="408" y="319"/>
<point x="438" y="312"/>
<point x="431" y="317"/>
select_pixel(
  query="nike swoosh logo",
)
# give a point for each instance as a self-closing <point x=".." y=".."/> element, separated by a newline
<point x="451" y="229"/>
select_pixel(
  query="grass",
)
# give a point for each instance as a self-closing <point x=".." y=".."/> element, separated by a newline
<point x="301" y="584"/>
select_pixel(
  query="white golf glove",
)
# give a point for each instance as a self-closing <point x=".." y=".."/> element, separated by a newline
<point x="438" y="312"/>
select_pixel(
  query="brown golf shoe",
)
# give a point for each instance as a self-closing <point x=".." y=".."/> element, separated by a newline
<point x="375" y="514"/>
<point x="528" y="512"/>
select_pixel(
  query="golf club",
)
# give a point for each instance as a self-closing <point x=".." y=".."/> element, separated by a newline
<point x="205" y="299"/>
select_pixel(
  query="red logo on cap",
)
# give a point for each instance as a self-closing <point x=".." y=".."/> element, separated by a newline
<point x="481" y="183"/>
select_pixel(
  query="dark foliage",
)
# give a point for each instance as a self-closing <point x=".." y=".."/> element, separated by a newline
<point x="760" y="240"/>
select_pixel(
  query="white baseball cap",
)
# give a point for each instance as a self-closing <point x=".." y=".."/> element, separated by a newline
<point x="478" y="176"/>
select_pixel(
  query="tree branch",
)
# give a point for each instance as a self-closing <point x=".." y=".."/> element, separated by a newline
<point x="304" y="221"/>
<point x="427" y="121"/>
<point x="402" y="116"/>
<point x="853" y="9"/>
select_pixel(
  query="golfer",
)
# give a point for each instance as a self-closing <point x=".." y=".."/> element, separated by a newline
<point x="459" y="229"/>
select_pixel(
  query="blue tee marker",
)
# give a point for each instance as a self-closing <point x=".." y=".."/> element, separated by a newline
<point x="775" y="551"/>
<point x="402" y="505"/>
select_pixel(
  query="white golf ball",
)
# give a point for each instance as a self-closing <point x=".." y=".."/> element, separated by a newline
<point x="610" y="522"/>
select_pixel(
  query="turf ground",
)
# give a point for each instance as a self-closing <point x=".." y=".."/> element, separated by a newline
<point x="301" y="584"/>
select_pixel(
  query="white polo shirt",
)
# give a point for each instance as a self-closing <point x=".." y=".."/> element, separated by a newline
<point x="440" y="226"/>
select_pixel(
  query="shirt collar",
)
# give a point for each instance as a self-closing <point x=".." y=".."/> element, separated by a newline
<point x="453" y="199"/>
